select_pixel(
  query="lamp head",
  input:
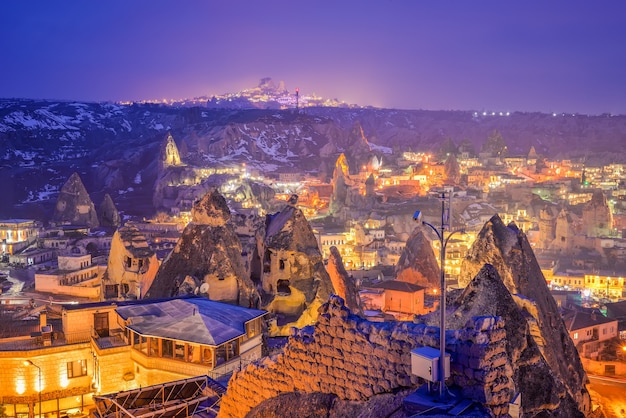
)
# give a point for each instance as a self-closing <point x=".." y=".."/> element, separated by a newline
<point x="417" y="216"/>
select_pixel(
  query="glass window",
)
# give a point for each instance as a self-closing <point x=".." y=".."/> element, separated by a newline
<point x="253" y="328"/>
<point x="168" y="348"/>
<point x="179" y="351"/>
<point x="77" y="368"/>
<point x="144" y="345"/>
<point x="154" y="347"/>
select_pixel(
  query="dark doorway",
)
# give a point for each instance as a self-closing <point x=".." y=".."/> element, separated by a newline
<point x="101" y="324"/>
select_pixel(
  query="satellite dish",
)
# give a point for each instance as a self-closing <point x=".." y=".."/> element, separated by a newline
<point x="204" y="288"/>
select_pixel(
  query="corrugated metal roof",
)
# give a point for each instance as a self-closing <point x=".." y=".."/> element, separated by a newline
<point x="194" y="320"/>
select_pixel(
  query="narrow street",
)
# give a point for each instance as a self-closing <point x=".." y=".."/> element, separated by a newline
<point x="610" y="393"/>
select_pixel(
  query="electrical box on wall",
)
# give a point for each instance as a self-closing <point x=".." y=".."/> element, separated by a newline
<point x="425" y="363"/>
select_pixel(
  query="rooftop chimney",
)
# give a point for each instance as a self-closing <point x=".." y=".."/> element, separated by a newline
<point x="43" y="319"/>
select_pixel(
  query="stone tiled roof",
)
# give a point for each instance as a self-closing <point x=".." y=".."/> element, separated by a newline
<point x="581" y="320"/>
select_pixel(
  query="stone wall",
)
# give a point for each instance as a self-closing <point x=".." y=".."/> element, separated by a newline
<point x="355" y="359"/>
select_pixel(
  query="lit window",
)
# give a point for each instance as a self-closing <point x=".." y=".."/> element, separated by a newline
<point x="575" y="335"/>
<point x="77" y="368"/>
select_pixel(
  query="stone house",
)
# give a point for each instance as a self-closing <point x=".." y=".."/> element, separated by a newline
<point x="76" y="276"/>
<point x="401" y="299"/>
<point x="590" y="331"/>
<point x="132" y="265"/>
<point x="106" y="347"/>
<point x="17" y="234"/>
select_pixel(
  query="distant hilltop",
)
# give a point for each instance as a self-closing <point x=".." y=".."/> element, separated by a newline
<point x="266" y="95"/>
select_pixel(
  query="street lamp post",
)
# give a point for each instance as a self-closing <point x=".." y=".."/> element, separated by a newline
<point x="29" y="362"/>
<point x="442" y="304"/>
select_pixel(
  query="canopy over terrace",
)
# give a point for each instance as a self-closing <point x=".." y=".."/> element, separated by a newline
<point x="195" y="320"/>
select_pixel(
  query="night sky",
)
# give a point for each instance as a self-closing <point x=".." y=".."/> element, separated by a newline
<point x="549" y="56"/>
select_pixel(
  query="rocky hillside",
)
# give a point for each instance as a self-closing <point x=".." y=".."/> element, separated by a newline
<point x="114" y="147"/>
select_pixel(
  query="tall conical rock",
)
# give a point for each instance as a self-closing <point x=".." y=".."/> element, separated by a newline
<point x="526" y="371"/>
<point x="508" y="250"/>
<point x="417" y="263"/>
<point x="131" y="267"/>
<point x="293" y="278"/>
<point x="207" y="258"/>
<point x="74" y="206"/>
<point x="343" y="283"/>
<point x="108" y="214"/>
<point x="169" y="155"/>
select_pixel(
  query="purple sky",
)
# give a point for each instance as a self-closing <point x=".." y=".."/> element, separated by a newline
<point x="549" y="56"/>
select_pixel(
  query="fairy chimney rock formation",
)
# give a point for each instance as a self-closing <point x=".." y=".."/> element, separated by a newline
<point x="207" y="258"/>
<point x="343" y="283"/>
<point x="212" y="210"/>
<point x="169" y="155"/>
<point x="597" y="216"/>
<point x="292" y="277"/>
<point x="131" y="266"/>
<point x="508" y="250"/>
<point x="108" y="214"/>
<point x="417" y="263"/>
<point x="524" y="369"/>
<point x="74" y="206"/>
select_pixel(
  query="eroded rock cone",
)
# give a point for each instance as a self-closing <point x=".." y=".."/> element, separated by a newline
<point x="344" y="285"/>
<point x="108" y="214"/>
<point x="74" y="206"/>
<point x="132" y="265"/>
<point x="207" y="259"/>
<point x="526" y="370"/>
<point x="508" y="250"/>
<point x="293" y="278"/>
<point x="417" y="264"/>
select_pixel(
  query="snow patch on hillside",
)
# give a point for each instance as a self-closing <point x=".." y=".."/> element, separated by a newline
<point x="380" y="148"/>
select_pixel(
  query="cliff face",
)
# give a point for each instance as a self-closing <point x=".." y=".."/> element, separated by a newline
<point x="417" y="264"/>
<point x="74" y="206"/>
<point x="207" y="258"/>
<point x="508" y="250"/>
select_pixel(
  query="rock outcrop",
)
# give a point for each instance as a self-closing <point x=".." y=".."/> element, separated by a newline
<point x="340" y="182"/>
<point x="293" y="279"/>
<point x="523" y="369"/>
<point x="417" y="263"/>
<point x="108" y="214"/>
<point x="508" y="250"/>
<point x="343" y="283"/>
<point x="597" y="216"/>
<point x="74" y="206"/>
<point x="207" y="259"/>
<point x="131" y="267"/>
<point x="169" y="155"/>
<point x="361" y="361"/>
